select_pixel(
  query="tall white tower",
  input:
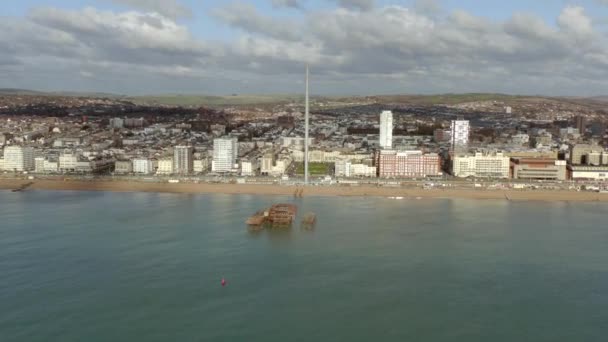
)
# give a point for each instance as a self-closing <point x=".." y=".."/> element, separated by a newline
<point x="306" y="118"/>
<point x="386" y="129"/>
<point x="182" y="160"/>
<point x="18" y="158"/>
<point x="460" y="133"/>
<point x="225" y="152"/>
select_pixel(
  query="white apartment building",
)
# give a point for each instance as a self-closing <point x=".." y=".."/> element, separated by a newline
<point x="386" y="129"/>
<point x="201" y="165"/>
<point x="39" y="164"/>
<point x="51" y="166"/>
<point x="1" y="164"/>
<point x="142" y="166"/>
<point x="246" y="168"/>
<point x="460" y="133"/>
<point x="183" y="160"/>
<point x="123" y="166"/>
<point x="225" y="152"/>
<point x="19" y="158"/>
<point x="480" y="165"/>
<point x="345" y="168"/>
<point x="267" y="163"/>
<point x="165" y="167"/>
<point x="68" y="162"/>
<point x="362" y="170"/>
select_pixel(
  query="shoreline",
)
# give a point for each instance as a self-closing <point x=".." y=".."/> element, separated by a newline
<point x="277" y="190"/>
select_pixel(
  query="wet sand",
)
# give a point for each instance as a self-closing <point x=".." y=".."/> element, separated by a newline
<point x="205" y="188"/>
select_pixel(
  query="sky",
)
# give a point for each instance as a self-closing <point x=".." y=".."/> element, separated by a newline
<point x="353" y="47"/>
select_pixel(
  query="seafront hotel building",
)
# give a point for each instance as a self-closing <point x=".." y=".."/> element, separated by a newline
<point x="407" y="164"/>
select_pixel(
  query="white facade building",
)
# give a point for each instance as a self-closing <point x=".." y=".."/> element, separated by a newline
<point x="201" y="165"/>
<point x="225" y="152"/>
<point x="51" y="166"/>
<point x="267" y="163"/>
<point x="246" y="168"/>
<point x="182" y="160"/>
<point x="39" y="164"/>
<point x="165" y="167"/>
<point x="479" y="165"/>
<point x="362" y="170"/>
<point x="386" y="129"/>
<point x="460" y="133"/>
<point x="68" y="162"/>
<point x="345" y="168"/>
<point x="142" y="166"/>
<point x="19" y="158"/>
<point x="117" y="123"/>
<point x="1" y="164"/>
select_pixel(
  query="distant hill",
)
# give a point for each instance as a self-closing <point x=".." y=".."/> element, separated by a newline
<point x="600" y="98"/>
<point x="15" y="91"/>
<point x="195" y="100"/>
<point x="205" y="100"/>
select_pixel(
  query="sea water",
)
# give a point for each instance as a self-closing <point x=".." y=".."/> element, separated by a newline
<point x="99" y="266"/>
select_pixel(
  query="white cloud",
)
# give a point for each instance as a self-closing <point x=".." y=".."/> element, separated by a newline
<point x="287" y="3"/>
<point x="168" y="8"/>
<point x="382" y="49"/>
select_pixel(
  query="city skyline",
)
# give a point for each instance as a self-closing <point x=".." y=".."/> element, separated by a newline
<point x="354" y="47"/>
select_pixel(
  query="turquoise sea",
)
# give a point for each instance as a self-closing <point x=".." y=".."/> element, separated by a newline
<point x="97" y="266"/>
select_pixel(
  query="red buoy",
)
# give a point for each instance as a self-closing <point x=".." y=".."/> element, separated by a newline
<point x="223" y="282"/>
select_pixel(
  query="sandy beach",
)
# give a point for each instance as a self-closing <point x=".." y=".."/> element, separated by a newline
<point x="205" y="188"/>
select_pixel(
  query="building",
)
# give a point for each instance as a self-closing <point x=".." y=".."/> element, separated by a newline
<point x="123" y="166"/>
<point x="68" y="162"/>
<point x="201" y="165"/>
<point x="342" y="168"/>
<point x="409" y="164"/>
<point x="39" y="164"/>
<point x="165" y="166"/>
<point x="286" y="121"/>
<point x="134" y="123"/>
<point x="386" y="129"/>
<point x="581" y="124"/>
<point x="117" y="123"/>
<point x="579" y="153"/>
<point x="480" y="165"/>
<point x="594" y="158"/>
<point x="1" y="164"/>
<point x="539" y="169"/>
<point x="67" y="142"/>
<point x="584" y="172"/>
<point x="51" y="166"/>
<point x="225" y="152"/>
<point x="460" y="131"/>
<point x="542" y="139"/>
<point x="363" y="170"/>
<point x="345" y="168"/>
<point x="520" y="139"/>
<point x="142" y="165"/>
<point x="442" y="135"/>
<point x="247" y="168"/>
<point x="267" y="163"/>
<point x="295" y="142"/>
<point x="183" y="161"/>
<point x="19" y="158"/>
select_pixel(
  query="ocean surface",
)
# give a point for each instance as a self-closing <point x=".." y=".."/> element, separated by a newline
<point x="96" y="266"/>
